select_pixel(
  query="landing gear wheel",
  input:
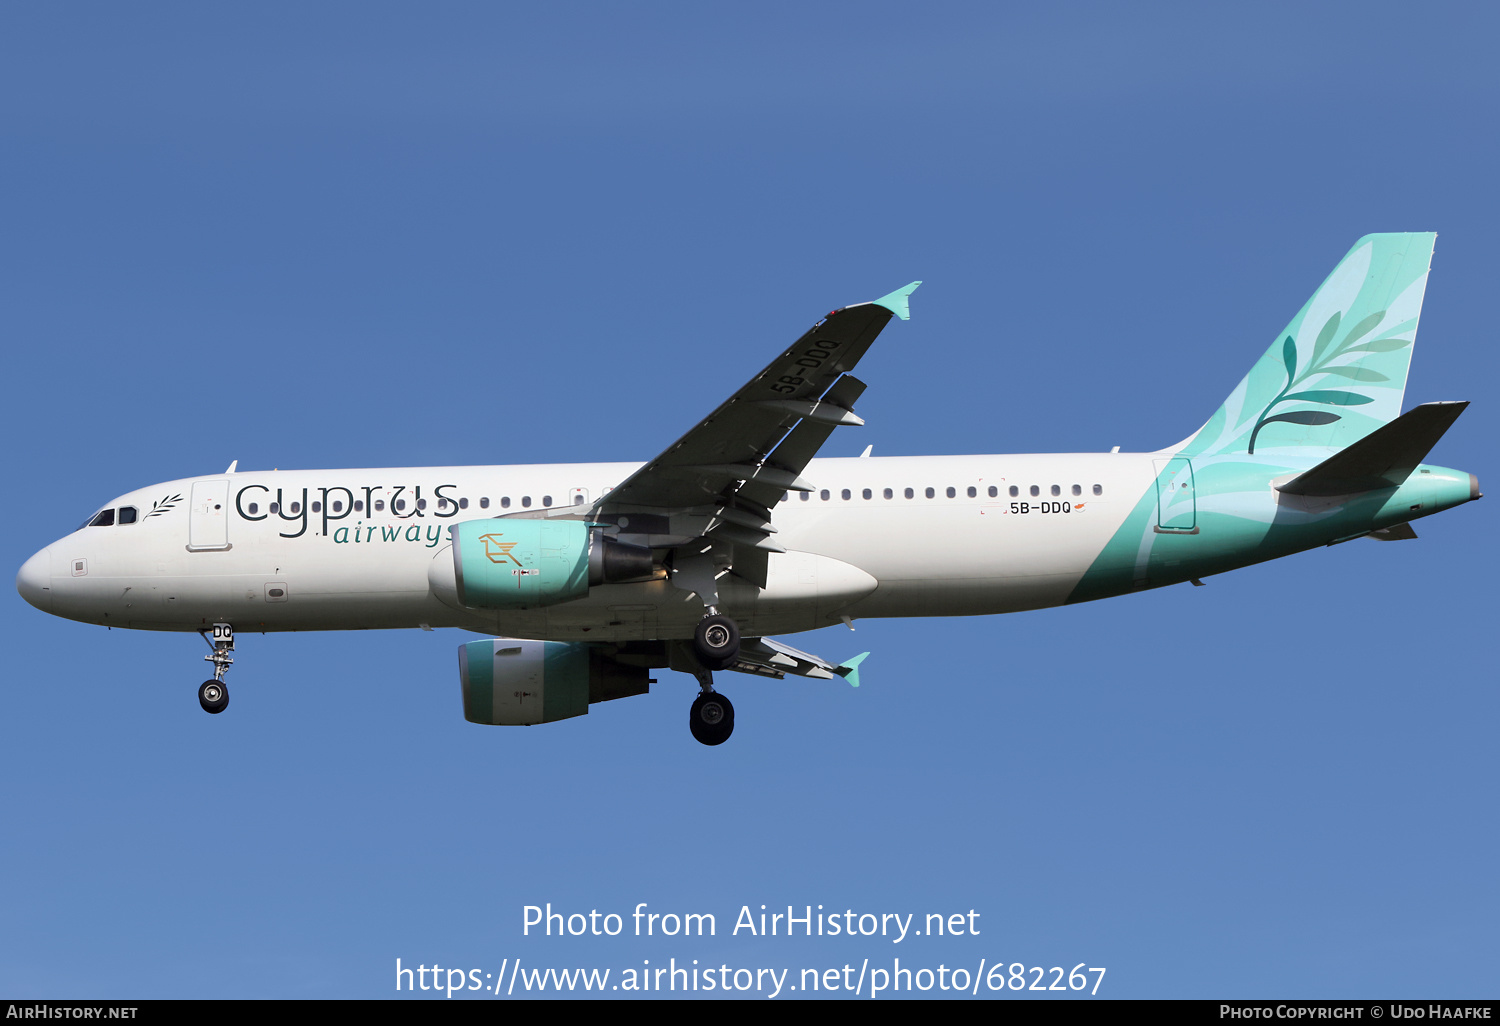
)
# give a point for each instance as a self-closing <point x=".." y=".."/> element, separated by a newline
<point x="716" y="642"/>
<point x="214" y="696"/>
<point x="711" y="719"/>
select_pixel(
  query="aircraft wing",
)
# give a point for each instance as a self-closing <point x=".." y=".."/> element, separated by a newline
<point x="737" y="442"/>
<point x="768" y="657"/>
<point x="721" y="480"/>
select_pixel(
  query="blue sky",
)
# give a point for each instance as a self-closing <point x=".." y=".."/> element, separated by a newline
<point x="295" y="236"/>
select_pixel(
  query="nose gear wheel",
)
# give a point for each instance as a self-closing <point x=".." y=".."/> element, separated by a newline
<point x="213" y="696"/>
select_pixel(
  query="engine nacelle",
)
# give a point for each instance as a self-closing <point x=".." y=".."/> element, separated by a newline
<point x="519" y="683"/>
<point x="523" y="564"/>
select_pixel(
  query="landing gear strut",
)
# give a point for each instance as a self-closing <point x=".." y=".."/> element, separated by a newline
<point x="213" y="695"/>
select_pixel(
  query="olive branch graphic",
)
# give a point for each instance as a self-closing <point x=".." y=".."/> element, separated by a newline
<point x="1321" y="355"/>
<point x="164" y="505"/>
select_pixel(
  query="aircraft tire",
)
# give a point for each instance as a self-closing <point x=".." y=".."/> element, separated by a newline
<point x="711" y="719"/>
<point x="213" y="696"/>
<point x="716" y="642"/>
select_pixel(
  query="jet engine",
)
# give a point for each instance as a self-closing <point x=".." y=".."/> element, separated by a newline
<point x="523" y="564"/>
<point x="524" y="682"/>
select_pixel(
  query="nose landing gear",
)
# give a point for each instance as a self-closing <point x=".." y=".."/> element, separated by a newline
<point x="213" y="695"/>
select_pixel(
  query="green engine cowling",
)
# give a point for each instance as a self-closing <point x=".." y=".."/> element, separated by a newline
<point x="523" y="564"/>
<point x="519" y="683"/>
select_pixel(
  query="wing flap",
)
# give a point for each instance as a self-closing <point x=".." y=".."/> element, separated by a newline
<point x="767" y="657"/>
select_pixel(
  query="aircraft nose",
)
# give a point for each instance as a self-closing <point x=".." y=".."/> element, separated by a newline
<point x="34" y="582"/>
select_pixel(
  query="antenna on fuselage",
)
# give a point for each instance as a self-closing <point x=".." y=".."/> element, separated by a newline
<point x="232" y="466"/>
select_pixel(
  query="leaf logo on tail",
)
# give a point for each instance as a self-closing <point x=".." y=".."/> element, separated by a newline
<point x="1323" y="353"/>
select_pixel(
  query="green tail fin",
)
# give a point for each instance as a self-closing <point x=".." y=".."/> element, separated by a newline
<point x="1338" y="371"/>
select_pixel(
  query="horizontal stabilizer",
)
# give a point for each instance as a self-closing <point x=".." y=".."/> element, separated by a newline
<point x="1382" y="459"/>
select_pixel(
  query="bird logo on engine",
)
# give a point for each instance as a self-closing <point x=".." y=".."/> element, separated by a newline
<point x="498" y="551"/>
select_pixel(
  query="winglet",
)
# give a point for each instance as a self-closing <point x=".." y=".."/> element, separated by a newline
<point x="897" y="302"/>
<point x="850" y="670"/>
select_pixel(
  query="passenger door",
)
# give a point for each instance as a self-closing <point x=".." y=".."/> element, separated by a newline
<point x="208" y="517"/>
<point x="1176" y="498"/>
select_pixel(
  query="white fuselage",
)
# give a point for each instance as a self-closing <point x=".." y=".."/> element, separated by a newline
<point x="352" y="549"/>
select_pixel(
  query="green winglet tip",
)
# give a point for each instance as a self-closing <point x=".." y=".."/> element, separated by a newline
<point x="850" y="670"/>
<point x="898" y="302"/>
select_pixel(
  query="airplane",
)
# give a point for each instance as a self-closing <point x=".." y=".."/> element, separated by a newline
<point x="584" y="578"/>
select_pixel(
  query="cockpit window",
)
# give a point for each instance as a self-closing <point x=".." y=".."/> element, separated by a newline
<point x="127" y="514"/>
<point x="104" y="518"/>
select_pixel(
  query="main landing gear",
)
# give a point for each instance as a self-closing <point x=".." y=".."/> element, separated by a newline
<point x="716" y="641"/>
<point x="716" y="645"/>
<point x="711" y="719"/>
<point x="213" y="695"/>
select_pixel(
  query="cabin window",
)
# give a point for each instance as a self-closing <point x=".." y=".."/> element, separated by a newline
<point x="484" y="502"/>
<point x="442" y="502"/>
<point x="546" y="500"/>
<point x="824" y="495"/>
<point x="1035" y="490"/>
<point x="910" y="494"/>
<point x="950" y="492"/>
<point x="1014" y="491"/>
<point x="1078" y="489"/>
<point x="888" y="494"/>
<point x="930" y="493"/>
<point x="1098" y="489"/>
<point x="104" y="518"/>
<point x="359" y="506"/>
<point x="845" y="494"/>
<point x="254" y="508"/>
<point x="973" y="491"/>
<point x="463" y="503"/>
<point x="296" y="508"/>
<point x="421" y="504"/>
<point x="525" y="502"/>
<point x="275" y="507"/>
<point x="379" y="505"/>
<point x="994" y="491"/>
<point x="317" y="507"/>
<point x="867" y="493"/>
<point x="785" y="496"/>
<point x="1057" y="489"/>
<point x="505" y="502"/>
<point x="396" y="504"/>
<point x="805" y="496"/>
<point x="338" y="505"/>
